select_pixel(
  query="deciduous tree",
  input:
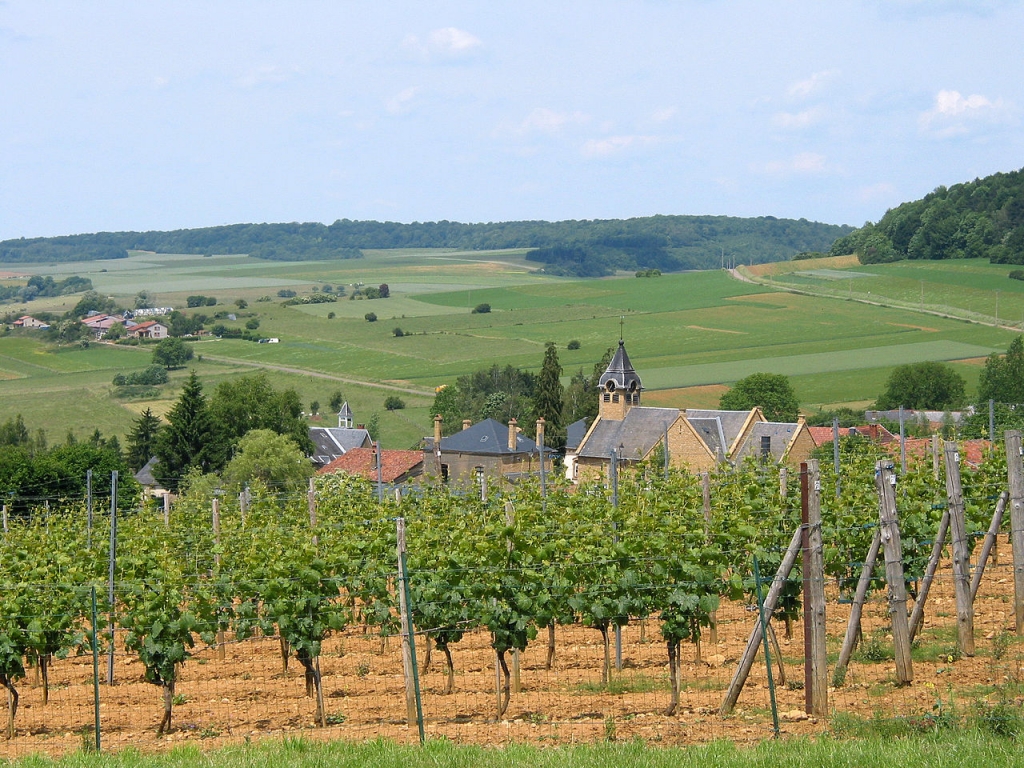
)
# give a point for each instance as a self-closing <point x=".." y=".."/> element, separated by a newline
<point x="772" y="392"/>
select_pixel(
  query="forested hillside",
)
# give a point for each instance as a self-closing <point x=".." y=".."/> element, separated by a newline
<point x="582" y="248"/>
<point x="983" y="218"/>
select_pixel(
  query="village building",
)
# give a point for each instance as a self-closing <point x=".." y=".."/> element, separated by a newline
<point x="150" y="329"/>
<point x="697" y="440"/>
<point x="331" y="442"/>
<point x="487" y="449"/>
<point x="396" y="467"/>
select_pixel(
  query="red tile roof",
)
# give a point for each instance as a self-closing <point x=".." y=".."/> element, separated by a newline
<point x="876" y="432"/>
<point x="972" y="452"/>
<point x="361" y="461"/>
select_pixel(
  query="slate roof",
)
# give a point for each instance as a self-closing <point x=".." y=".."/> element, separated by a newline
<point x="574" y="434"/>
<point x="633" y="437"/>
<point x="781" y="434"/>
<point x="331" y="442"/>
<point x="394" y="465"/>
<point x="620" y="371"/>
<point x="710" y="430"/>
<point x="145" y="475"/>
<point x="732" y="421"/>
<point x="488" y="437"/>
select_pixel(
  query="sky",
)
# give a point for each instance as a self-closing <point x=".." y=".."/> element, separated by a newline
<point x="127" y="115"/>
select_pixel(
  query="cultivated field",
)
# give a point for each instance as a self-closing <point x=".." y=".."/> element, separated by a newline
<point x="682" y="330"/>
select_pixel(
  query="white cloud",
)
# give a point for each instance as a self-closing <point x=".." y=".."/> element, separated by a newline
<point x="611" y="145"/>
<point x="797" y="120"/>
<point x="874" y="192"/>
<point x="400" y="103"/>
<point x="543" y="120"/>
<point x="953" y="113"/>
<point x="266" y="75"/>
<point x="813" y="84"/>
<point x="446" y="43"/>
<point x="664" y="115"/>
<point x="804" y="163"/>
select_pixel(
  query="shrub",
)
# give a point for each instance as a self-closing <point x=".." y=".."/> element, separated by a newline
<point x="330" y="315"/>
<point x="394" y="403"/>
<point x="1017" y="274"/>
<point x="370" y="317"/>
<point x="574" y="344"/>
<point x="399" y="333"/>
<point x="481" y="309"/>
<point x="286" y="293"/>
<point x="252" y="324"/>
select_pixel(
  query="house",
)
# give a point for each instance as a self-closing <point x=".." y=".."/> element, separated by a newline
<point x="486" y="449"/>
<point x="697" y="439"/>
<point x="150" y="485"/>
<point x="331" y="442"/>
<point x="150" y="329"/>
<point x="99" y="324"/>
<point x="395" y="466"/>
<point x="27" y="321"/>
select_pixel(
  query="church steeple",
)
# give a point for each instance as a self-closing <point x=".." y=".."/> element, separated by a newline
<point x="619" y="386"/>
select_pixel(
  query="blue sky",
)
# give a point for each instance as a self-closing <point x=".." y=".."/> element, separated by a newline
<point x="164" y="115"/>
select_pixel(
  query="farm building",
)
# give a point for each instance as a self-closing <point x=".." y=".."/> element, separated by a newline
<point x="395" y="466"/>
<point x="150" y="329"/>
<point x="27" y="321"/>
<point x="697" y="440"/>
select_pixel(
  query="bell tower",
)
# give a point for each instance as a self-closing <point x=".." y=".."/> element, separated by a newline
<point x="619" y="387"/>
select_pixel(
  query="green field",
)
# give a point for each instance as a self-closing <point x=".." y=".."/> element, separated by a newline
<point x="681" y="330"/>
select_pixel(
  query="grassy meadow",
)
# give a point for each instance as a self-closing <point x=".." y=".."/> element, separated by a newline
<point x="687" y="334"/>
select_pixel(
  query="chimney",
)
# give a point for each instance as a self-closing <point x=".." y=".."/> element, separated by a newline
<point x="512" y="434"/>
<point x="540" y="431"/>
<point x="437" y="433"/>
<point x="467" y="423"/>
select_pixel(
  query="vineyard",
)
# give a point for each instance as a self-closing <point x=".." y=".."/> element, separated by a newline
<point x="574" y="614"/>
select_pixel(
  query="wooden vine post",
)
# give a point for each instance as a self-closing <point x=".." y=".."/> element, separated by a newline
<point x="917" y="615"/>
<point x="221" y="650"/>
<point x="961" y="553"/>
<point x="989" y="546"/>
<point x="1015" y="472"/>
<point x="885" y="480"/>
<point x="412" y="704"/>
<point x="705" y="483"/>
<point x="815" y="654"/>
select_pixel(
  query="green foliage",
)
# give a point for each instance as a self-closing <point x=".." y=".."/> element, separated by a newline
<point x="495" y="392"/>
<point x="549" y="397"/>
<point x="370" y="317"/>
<point x="313" y="298"/>
<point x="151" y="376"/>
<point x="481" y="309"/>
<point x="393" y="403"/>
<point x="1002" y="379"/>
<point x="172" y="353"/>
<point x="201" y="301"/>
<point x="1017" y="274"/>
<point x="273" y="459"/>
<point x="188" y="440"/>
<point x="983" y="218"/>
<point x="142" y="440"/>
<point x="251" y="402"/>
<point x="772" y="392"/>
<point x="574" y="344"/>
<point x="924" y="386"/>
<point x="398" y="332"/>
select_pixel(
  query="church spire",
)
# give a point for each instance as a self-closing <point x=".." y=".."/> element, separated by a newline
<point x="620" y="386"/>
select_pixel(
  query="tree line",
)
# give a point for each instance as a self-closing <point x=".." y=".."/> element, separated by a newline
<point x="582" y="248"/>
<point x="983" y="218"/>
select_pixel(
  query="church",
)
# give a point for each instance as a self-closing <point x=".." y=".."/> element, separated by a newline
<point x="697" y="440"/>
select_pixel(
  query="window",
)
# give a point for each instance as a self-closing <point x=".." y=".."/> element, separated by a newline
<point x="615" y="397"/>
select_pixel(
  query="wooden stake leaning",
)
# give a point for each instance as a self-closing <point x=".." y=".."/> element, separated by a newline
<point x="989" y="544"/>
<point x="961" y="554"/>
<point x="747" y="660"/>
<point x="885" y="481"/>
<point x="856" y="610"/>
<point x="917" y="615"/>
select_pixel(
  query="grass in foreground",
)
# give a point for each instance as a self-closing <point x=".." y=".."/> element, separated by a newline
<point x="976" y="748"/>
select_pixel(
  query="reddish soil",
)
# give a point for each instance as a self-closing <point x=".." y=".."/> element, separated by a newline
<point x="245" y="696"/>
